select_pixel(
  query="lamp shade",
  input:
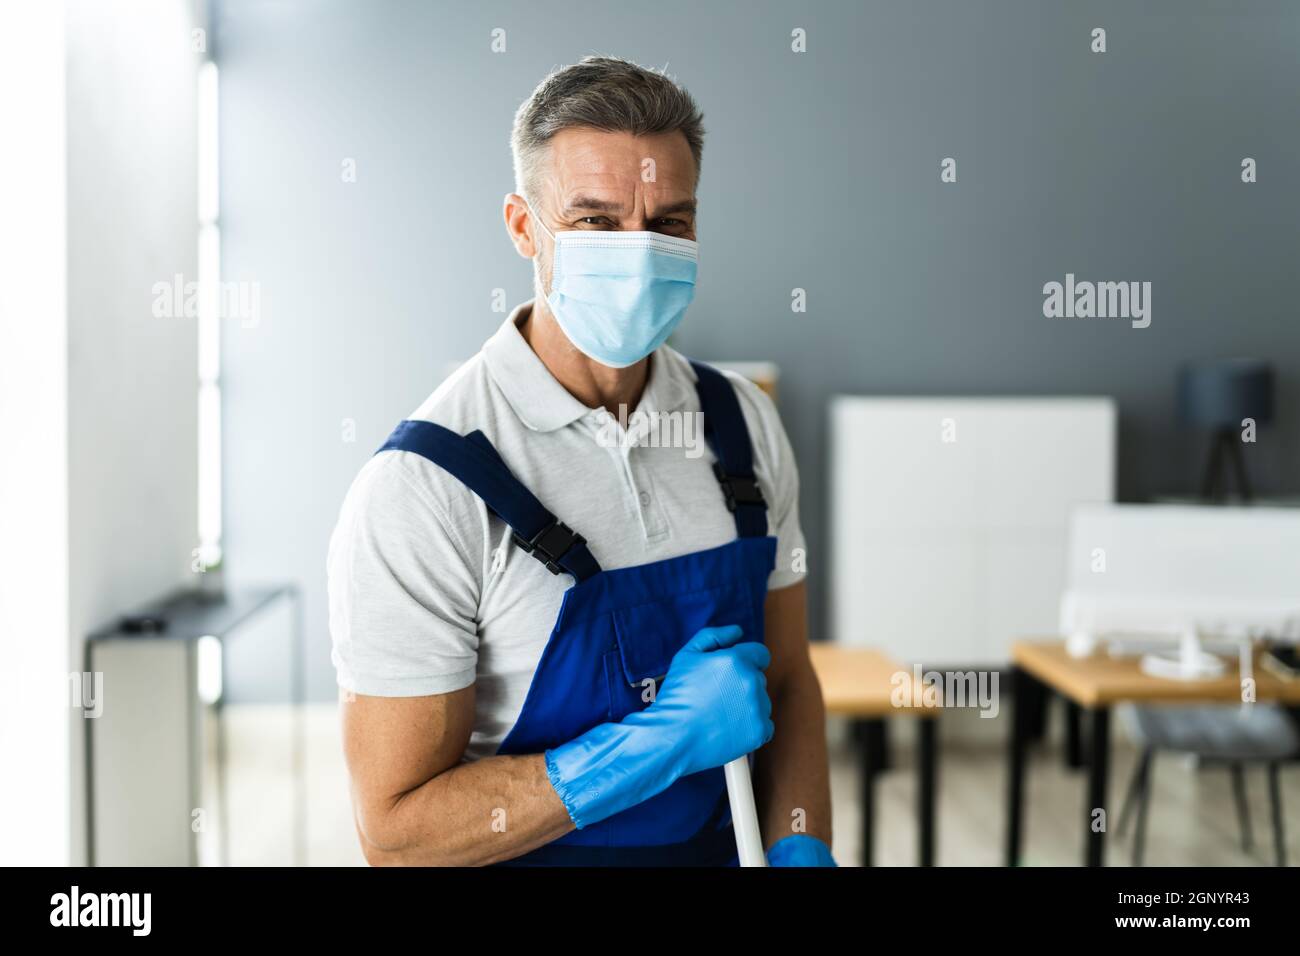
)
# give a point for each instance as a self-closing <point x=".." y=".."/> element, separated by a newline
<point x="1220" y="394"/>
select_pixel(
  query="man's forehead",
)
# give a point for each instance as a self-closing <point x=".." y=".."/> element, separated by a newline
<point x="593" y="161"/>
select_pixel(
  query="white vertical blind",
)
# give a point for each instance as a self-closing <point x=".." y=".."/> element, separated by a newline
<point x="209" y="206"/>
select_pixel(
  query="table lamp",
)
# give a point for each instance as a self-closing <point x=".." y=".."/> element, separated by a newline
<point x="1218" y="395"/>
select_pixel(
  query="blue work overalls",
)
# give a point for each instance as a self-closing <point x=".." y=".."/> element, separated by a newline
<point x="618" y="630"/>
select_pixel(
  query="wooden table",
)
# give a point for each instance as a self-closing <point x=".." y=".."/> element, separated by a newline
<point x="1095" y="684"/>
<point x="867" y="686"/>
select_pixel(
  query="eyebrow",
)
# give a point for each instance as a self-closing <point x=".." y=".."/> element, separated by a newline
<point x="589" y="204"/>
<point x="684" y="205"/>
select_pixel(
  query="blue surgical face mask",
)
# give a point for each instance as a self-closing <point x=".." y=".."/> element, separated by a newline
<point x="619" y="295"/>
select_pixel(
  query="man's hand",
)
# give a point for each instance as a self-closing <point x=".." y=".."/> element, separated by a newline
<point x="715" y="696"/>
<point x="713" y="707"/>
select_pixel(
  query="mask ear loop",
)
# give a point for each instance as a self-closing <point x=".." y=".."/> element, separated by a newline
<point x="538" y="219"/>
<point x="554" y="242"/>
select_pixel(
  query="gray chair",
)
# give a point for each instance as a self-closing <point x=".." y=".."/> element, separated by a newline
<point x="1232" y="734"/>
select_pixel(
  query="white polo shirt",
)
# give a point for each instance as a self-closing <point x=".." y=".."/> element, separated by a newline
<point x="428" y="594"/>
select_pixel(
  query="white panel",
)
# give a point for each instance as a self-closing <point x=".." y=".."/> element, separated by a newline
<point x="1166" y="567"/>
<point x="914" y="590"/>
<point x="946" y="551"/>
<point x="132" y="227"/>
<point x="1152" y="548"/>
<point x="144" y="754"/>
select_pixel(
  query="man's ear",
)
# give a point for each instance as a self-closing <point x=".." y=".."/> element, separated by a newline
<point x="519" y="225"/>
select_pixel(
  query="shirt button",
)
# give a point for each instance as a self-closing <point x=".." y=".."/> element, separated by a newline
<point x="645" y="499"/>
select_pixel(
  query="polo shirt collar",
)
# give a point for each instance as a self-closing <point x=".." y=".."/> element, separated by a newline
<point x="543" y="404"/>
<point x="532" y="391"/>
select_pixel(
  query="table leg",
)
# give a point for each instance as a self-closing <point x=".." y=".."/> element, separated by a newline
<point x="223" y="797"/>
<point x="1037" y="697"/>
<point x="927" y="735"/>
<point x="1275" y="801"/>
<point x="1099" y="758"/>
<point x="870" y="738"/>
<point x="879" y="732"/>
<point x="1074" y="758"/>
<point x="299" y="679"/>
<point x="1020" y="682"/>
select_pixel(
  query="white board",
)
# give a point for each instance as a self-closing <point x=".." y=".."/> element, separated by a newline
<point x="949" y="515"/>
<point x="1161" y="568"/>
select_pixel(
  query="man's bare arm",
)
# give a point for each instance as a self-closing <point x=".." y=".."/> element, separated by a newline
<point x="791" y="772"/>
<point x="415" y="803"/>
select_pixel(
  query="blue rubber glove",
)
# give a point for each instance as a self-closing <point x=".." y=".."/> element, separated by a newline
<point x="800" y="849"/>
<point x="713" y="707"/>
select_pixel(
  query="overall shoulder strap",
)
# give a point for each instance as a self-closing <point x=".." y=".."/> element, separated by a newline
<point x="728" y="436"/>
<point x="476" y="464"/>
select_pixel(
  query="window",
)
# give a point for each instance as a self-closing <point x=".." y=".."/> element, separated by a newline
<point x="209" y="189"/>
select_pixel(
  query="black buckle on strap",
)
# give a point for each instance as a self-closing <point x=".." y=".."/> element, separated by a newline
<point x="738" y="490"/>
<point x="551" y="544"/>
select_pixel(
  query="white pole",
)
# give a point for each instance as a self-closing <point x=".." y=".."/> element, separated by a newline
<point x="744" y="814"/>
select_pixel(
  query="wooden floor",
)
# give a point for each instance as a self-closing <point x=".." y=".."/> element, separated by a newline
<point x="1192" y="821"/>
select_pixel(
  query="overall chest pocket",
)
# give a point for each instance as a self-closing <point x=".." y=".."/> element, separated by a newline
<point x="648" y="635"/>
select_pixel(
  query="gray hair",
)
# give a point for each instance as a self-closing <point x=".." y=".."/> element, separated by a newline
<point x="603" y="93"/>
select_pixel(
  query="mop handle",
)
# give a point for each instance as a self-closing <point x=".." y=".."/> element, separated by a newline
<point x="744" y="815"/>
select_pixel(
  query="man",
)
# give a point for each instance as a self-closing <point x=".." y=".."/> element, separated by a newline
<point x="550" y="642"/>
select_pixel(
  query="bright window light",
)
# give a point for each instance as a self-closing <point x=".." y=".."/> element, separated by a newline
<point x="209" y="358"/>
<point x="209" y="181"/>
<point x="209" y="667"/>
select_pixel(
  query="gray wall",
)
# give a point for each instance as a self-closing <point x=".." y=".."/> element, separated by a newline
<point x="821" y="171"/>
